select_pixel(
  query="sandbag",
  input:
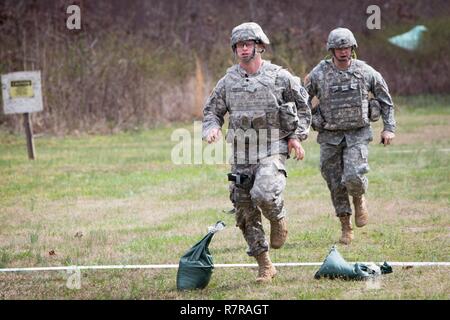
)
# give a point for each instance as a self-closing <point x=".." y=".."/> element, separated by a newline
<point x="196" y="265"/>
<point x="335" y="266"/>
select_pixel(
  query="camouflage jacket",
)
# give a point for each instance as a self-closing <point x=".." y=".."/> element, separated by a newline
<point x="276" y="87"/>
<point x="327" y="83"/>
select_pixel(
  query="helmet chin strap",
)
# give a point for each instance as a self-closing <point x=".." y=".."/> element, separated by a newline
<point x="253" y="54"/>
<point x="260" y="51"/>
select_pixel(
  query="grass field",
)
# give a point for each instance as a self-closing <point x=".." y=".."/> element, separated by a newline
<point x="129" y="204"/>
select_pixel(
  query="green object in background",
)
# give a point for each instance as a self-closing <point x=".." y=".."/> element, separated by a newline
<point x="335" y="266"/>
<point x="196" y="265"/>
<point x="409" y="40"/>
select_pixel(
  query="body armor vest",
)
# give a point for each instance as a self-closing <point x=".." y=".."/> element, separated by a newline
<point x="253" y="102"/>
<point x="344" y="101"/>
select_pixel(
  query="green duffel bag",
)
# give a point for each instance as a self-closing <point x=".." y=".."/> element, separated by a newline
<point x="335" y="266"/>
<point x="196" y="265"/>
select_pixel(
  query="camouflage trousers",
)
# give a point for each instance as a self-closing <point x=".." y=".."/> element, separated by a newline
<point x="262" y="194"/>
<point x="344" y="169"/>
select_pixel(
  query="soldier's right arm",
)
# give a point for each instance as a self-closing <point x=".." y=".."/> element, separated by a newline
<point x="214" y="110"/>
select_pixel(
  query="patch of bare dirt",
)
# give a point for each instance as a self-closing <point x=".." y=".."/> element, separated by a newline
<point x="427" y="134"/>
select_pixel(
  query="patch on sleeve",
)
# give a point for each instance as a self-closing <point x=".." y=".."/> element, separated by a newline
<point x="303" y="93"/>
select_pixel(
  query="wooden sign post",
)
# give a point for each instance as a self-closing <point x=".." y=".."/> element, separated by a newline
<point x="29" y="135"/>
<point x="22" y="93"/>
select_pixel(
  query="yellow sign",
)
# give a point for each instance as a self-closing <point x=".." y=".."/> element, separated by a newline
<point x="21" y="89"/>
<point x="21" y="92"/>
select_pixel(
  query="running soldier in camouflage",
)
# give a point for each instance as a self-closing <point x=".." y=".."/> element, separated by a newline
<point x="269" y="116"/>
<point x="342" y="118"/>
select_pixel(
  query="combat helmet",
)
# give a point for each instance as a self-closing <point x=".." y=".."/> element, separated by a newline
<point x="248" y="31"/>
<point x="341" y="38"/>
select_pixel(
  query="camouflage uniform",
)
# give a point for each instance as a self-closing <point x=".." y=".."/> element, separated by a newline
<point x="258" y="103"/>
<point x="343" y="122"/>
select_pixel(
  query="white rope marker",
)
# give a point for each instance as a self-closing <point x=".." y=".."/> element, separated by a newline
<point x="419" y="150"/>
<point x="219" y="265"/>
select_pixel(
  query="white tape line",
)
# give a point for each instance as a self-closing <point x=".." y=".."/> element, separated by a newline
<point x="219" y="265"/>
<point x="280" y="264"/>
<point x="419" y="150"/>
<point x="419" y="264"/>
<point x="149" y="266"/>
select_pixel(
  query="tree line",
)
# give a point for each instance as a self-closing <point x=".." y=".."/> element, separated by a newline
<point x="140" y="63"/>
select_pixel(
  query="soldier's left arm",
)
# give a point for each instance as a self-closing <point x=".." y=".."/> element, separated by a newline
<point x="295" y="92"/>
<point x="380" y="91"/>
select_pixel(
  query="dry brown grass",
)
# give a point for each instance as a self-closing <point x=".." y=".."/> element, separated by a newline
<point x="431" y="134"/>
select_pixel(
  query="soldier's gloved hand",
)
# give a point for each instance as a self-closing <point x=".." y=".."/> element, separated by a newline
<point x="387" y="137"/>
<point x="214" y="135"/>
<point x="296" y="145"/>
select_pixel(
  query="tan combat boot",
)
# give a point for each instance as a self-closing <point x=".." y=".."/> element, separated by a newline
<point x="278" y="233"/>
<point x="266" y="269"/>
<point x="361" y="213"/>
<point x="347" y="231"/>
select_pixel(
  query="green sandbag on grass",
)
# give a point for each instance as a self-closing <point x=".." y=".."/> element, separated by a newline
<point x="196" y="265"/>
<point x="335" y="266"/>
